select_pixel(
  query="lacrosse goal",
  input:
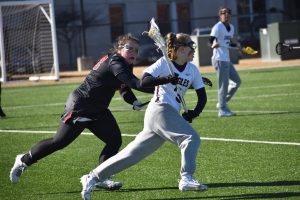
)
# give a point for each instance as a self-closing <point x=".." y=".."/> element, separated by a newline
<point x="28" y="48"/>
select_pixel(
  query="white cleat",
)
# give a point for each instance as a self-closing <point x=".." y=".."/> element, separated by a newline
<point x="226" y="113"/>
<point x="17" y="170"/>
<point x="189" y="183"/>
<point x="88" y="184"/>
<point x="109" y="184"/>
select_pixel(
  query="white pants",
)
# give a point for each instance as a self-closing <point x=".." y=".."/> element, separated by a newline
<point x="162" y="122"/>
<point x="226" y="72"/>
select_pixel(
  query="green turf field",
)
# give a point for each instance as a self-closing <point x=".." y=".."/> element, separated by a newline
<point x="252" y="167"/>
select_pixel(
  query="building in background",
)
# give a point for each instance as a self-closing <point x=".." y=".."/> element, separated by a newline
<point x="104" y="20"/>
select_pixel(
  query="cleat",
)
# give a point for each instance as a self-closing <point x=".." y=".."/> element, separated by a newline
<point x="109" y="184"/>
<point x="224" y="113"/>
<point x="189" y="183"/>
<point x="88" y="184"/>
<point x="17" y="170"/>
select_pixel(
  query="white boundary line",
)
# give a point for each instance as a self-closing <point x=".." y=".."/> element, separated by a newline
<point x="113" y="108"/>
<point x="133" y="135"/>
<point x="250" y="141"/>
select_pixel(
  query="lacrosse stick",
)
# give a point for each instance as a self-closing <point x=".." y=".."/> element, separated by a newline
<point x="282" y="48"/>
<point x="155" y="35"/>
<point x="247" y="50"/>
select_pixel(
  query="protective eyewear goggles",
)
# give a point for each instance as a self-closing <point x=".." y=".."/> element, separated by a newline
<point x="224" y="11"/>
<point x="128" y="47"/>
<point x="190" y="44"/>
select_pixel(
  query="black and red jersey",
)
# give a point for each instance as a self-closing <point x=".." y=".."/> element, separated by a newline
<point x="97" y="90"/>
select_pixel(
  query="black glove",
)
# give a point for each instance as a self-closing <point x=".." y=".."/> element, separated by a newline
<point x="137" y="105"/>
<point x="189" y="116"/>
<point x="206" y="81"/>
<point x="172" y="79"/>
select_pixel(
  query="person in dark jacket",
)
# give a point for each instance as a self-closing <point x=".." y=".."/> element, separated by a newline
<point x="87" y="107"/>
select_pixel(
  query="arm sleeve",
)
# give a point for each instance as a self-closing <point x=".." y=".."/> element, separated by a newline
<point x="202" y="99"/>
<point x="133" y="82"/>
<point x="149" y="81"/>
<point x="232" y="44"/>
<point x="122" y="71"/>
<point x="127" y="94"/>
<point x="211" y="40"/>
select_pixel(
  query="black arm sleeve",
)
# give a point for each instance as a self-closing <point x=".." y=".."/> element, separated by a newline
<point x="211" y="40"/>
<point x="202" y="99"/>
<point x="232" y="44"/>
<point x="149" y="81"/>
<point x="127" y="94"/>
<point x="133" y="82"/>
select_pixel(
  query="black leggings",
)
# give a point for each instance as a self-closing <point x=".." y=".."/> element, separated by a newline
<point x="105" y="128"/>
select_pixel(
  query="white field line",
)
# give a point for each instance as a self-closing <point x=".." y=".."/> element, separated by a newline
<point x="215" y="90"/>
<point x="148" y="96"/>
<point x="140" y="97"/>
<point x="133" y="135"/>
<point x="258" y="96"/>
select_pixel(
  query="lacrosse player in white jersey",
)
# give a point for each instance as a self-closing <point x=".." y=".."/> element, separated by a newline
<point x="163" y="121"/>
<point x="228" y="78"/>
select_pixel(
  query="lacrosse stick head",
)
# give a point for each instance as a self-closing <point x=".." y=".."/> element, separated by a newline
<point x="249" y="50"/>
<point x="282" y="48"/>
<point x="155" y="35"/>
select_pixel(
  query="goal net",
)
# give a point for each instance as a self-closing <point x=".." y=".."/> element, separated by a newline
<point x="28" y="46"/>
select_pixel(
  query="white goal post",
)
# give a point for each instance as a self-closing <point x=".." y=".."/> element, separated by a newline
<point x="28" y="43"/>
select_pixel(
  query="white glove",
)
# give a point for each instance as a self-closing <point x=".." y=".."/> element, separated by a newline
<point x="137" y="105"/>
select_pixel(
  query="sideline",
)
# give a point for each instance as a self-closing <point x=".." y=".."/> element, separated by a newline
<point x="133" y="135"/>
<point x="68" y="77"/>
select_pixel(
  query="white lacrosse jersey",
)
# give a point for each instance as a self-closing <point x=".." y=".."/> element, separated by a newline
<point x="223" y="39"/>
<point x="166" y="93"/>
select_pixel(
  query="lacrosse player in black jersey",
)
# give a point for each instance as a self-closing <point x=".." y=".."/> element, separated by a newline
<point x="87" y="107"/>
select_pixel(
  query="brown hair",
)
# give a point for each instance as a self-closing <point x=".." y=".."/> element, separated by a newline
<point x="174" y="41"/>
<point x="121" y="40"/>
<point x="223" y="8"/>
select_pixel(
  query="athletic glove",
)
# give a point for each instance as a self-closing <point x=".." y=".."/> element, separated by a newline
<point x="172" y="79"/>
<point x="190" y="115"/>
<point x="206" y="81"/>
<point x="137" y="105"/>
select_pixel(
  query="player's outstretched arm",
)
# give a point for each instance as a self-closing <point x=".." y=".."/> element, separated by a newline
<point x="149" y="81"/>
<point x="133" y="82"/>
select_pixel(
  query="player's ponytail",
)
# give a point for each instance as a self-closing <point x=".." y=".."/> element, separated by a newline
<point x="171" y="45"/>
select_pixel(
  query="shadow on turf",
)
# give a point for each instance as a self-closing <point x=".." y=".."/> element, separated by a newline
<point x="215" y="185"/>
<point x="241" y="184"/>
<point x="243" y="196"/>
<point x="221" y="185"/>
<point x="247" y="184"/>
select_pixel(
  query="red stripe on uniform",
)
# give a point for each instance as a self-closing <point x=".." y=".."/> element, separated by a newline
<point x="68" y="117"/>
<point x="100" y="62"/>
